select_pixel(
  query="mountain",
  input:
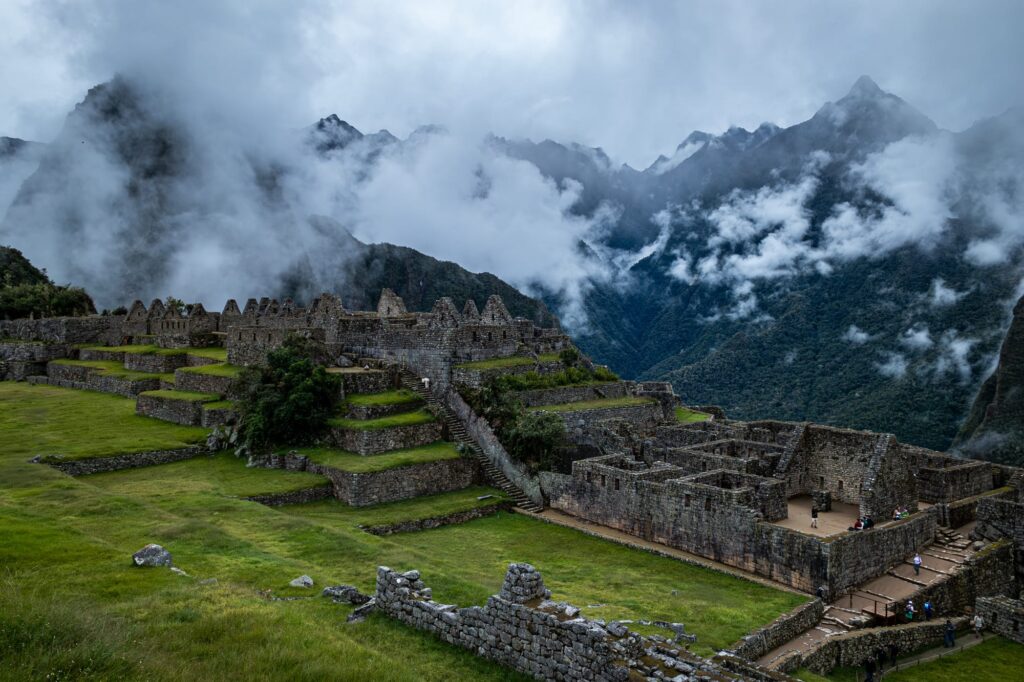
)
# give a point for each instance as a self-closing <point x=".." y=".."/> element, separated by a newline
<point x="994" y="428"/>
<point x="26" y="290"/>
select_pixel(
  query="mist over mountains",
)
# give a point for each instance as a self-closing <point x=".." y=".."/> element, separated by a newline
<point x="856" y="268"/>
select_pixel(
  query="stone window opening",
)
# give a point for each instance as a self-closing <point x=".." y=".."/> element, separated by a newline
<point x="707" y="504"/>
<point x="604" y="481"/>
<point x="840" y="486"/>
<point x="476" y="337"/>
<point x="489" y="337"/>
<point x="821" y="482"/>
<point x="616" y="484"/>
<point x="686" y="501"/>
<point x="590" y="476"/>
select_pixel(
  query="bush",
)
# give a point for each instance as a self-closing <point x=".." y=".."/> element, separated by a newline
<point x="43" y="300"/>
<point x="529" y="437"/>
<point x="289" y="401"/>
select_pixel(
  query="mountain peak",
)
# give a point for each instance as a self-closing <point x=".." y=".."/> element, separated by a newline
<point x="865" y="87"/>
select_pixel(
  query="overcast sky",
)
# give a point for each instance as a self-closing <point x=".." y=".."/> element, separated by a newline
<point x="634" y="78"/>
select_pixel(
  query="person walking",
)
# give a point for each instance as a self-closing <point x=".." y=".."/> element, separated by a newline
<point x="950" y="634"/>
<point x="869" y="670"/>
<point x="814" y="516"/>
<point x="917" y="564"/>
<point x="927" y="609"/>
<point x="978" y="624"/>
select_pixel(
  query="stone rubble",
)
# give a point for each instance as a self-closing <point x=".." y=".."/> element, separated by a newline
<point x="152" y="555"/>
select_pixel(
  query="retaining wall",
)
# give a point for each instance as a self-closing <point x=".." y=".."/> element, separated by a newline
<point x="575" y="394"/>
<point x="184" y="412"/>
<point x="97" y="465"/>
<point x="375" y="441"/>
<point x="783" y="629"/>
<point x="417" y="525"/>
<point x="1003" y="616"/>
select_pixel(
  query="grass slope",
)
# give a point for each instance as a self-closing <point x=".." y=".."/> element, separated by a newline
<point x="687" y="416"/>
<point x="356" y="463"/>
<point x="47" y="420"/>
<point x="217" y="370"/>
<point x="396" y="397"/>
<point x="190" y="396"/>
<point x="113" y="368"/>
<point x="72" y="606"/>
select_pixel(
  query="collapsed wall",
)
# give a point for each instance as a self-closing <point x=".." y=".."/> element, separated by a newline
<point x="520" y="627"/>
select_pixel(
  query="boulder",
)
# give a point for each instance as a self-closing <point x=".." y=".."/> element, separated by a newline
<point x="345" y="593"/>
<point x="302" y="581"/>
<point x="152" y="555"/>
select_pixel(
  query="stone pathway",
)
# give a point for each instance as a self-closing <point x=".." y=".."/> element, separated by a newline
<point x="562" y="519"/>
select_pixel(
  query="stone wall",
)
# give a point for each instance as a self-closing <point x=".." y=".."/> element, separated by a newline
<point x="987" y="573"/>
<point x="1004" y="616"/>
<point x="375" y="441"/>
<point x="963" y="511"/>
<point x="378" y="411"/>
<point x="855" y="648"/>
<point x="156" y="363"/>
<point x="783" y="629"/>
<point x="480" y="431"/>
<point x="184" y="412"/>
<point x="360" y="489"/>
<point x="857" y="556"/>
<point x="583" y="420"/>
<point x="95" y="329"/>
<point x="575" y="394"/>
<point x="1003" y="518"/>
<point x="416" y="525"/>
<point x="521" y="628"/>
<point x="97" y="465"/>
<point x="204" y="383"/>
<point x="320" y="492"/>
<point x="475" y="378"/>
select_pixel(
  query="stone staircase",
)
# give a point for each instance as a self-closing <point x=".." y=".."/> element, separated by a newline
<point x="457" y="432"/>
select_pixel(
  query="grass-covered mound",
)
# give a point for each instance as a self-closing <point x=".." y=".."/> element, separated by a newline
<point x="46" y="420"/>
<point x="220" y="369"/>
<point x="397" y="397"/>
<point x="355" y="463"/>
<point x="687" y="416"/>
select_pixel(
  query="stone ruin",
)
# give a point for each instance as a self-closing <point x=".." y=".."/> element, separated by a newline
<point x="522" y="628"/>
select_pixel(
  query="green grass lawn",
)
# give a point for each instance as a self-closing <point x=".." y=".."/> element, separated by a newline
<point x="332" y="512"/>
<point x="114" y="368"/>
<point x="404" y="419"/>
<point x="350" y="461"/>
<point x="215" y="353"/>
<point x="688" y="416"/>
<point x="397" y="397"/>
<point x="46" y="420"/>
<point x="599" y="404"/>
<point x="501" y="363"/>
<point x="72" y="606"/>
<point x="219" y="405"/>
<point x="994" y="660"/>
<point x="220" y="354"/>
<point x="221" y="369"/>
<point x="222" y="474"/>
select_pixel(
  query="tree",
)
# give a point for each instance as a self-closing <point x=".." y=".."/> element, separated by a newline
<point x="289" y="401"/>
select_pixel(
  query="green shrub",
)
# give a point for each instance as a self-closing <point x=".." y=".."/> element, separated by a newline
<point x="569" y="356"/>
<point x="44" y="300"/>
<point x="290" y="401"/>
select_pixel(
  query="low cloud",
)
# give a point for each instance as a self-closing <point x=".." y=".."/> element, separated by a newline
<point x="942" y="295"/>
<point x="856" y="335"/>
<point x="917" y="339"/>
<point x="893" y="366"/>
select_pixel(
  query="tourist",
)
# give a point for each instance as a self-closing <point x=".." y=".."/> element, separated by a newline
<point x="928" y="609"/>
<point x="892" y="654"/>
<point x="910" y="610"/>
<point x="917" y="564"/>
<point x="978" y="624"/>
<point x="896" y="514"/>
<point x="950" y="634"/>
<point x="868" y="523"/>
<point x="869" y="670"/>
<point x="814" y="516"/>
<point x="426" y="383"/>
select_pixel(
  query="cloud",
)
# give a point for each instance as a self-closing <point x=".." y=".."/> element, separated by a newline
<point x="942" y="295"/>
<point x="856" y="335"/>
<point x="894" y="366"/>
<point x="954" y="356"/>
<point x="917" y="339"/>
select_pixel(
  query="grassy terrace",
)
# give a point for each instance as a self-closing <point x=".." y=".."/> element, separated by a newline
<point x="403" y="419"/>
<point x="397" y="397"/>
<point x="355" y="463"/>
<point x="112" y="368"/>
<point x="220" y="354"/>
<point x="687" y="416"/>
<point x="600" y="404"/>
<point x="222" y="474"/>
<point x="72" y="607"/>
<point x="45" y="420"/>
<point x="500" y="363"/>
<point x="219" y="405"/>
<point x="217" y="370"/>
<point x="191" y="396"/>
<point x="332" y="512"/>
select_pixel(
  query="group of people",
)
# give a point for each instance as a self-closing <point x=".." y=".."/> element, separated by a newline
<point x="928" y="609"/>
<point x="863" y="523"/>
<point x="900" y="513"/>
